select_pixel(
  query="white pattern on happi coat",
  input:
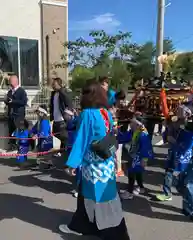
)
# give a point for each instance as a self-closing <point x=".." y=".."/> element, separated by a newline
<point x="98" y="172"/>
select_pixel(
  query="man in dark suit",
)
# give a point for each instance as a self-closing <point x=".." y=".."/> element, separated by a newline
<point x="16" y="101"/>
<point x="60" y="110"/>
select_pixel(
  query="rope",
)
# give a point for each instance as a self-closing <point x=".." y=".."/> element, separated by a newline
<point x="34" y="138"/>
<point x="29" y="154"/>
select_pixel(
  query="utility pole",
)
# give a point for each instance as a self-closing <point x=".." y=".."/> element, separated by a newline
<point x="160" y="36"/>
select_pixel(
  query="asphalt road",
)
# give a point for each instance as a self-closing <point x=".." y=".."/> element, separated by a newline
<point x="32" y="205"/>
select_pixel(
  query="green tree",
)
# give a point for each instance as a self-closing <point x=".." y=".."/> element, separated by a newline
<point x="79" y="76"/>
<point x="143" y="61"/>
<point x="120" y="74"/>
<point x="100" y="46"/>
<point x="98" y="55"/>
<point x="183" y="66"/>
<point x="168" y="46"/>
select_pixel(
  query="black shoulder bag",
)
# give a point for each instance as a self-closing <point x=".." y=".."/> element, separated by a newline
<point x="108" y="145"/>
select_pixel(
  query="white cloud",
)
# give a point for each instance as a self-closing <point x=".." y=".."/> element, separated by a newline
<point x="107" y="22"/>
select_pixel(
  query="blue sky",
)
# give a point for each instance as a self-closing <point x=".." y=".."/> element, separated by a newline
<point x="136" y="16"/>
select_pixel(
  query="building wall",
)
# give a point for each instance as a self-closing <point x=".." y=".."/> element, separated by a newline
<point x="54" y="25"/>
<point x="34" y="19"/>
<point x="22" y="20"/>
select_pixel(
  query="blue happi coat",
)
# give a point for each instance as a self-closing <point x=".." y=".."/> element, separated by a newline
<point x="23" y="144"/>
<point x="111" y="97"/>
<point x="180" y="153"/>
<point x="42" y="129"/>
<point x="98" y="178"/>
<point x="139" y="149"/>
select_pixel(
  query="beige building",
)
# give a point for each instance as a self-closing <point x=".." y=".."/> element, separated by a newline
<point x="31" y="37"/>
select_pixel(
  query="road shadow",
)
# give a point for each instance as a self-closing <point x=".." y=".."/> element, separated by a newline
<point x="30" y="210"/>
<point x="75" y="237"/>
<point x="10" y="162"/>
<point x="142" y="207"/>
<point x="154" y="178"/>
<point x="159" y="160"/>
<point x="34" y="180"/>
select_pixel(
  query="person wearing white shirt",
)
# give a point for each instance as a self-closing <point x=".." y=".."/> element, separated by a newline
<point x="60" y="110"/>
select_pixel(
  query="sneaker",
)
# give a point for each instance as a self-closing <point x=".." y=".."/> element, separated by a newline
<point x="160" y="143"/>
<point x="157" y="134"/>
<point x="126" y="196"/>
<point x="138" y="191"/>
<point x="58" y="155"/>
<point x="75" y="194"/>
<point x="163" y="197"/>
<point x="65" y="229"/>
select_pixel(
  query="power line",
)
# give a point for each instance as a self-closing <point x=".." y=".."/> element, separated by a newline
<point x="183" y="39"/>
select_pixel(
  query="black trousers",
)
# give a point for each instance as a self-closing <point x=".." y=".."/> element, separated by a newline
<point x="160" y="128"/>
<point x="80" y="223"/>
<point x="11" y="128"/>
<point x="132" y="177"/>
<point x="150" y="125"/>
<point x="60" y="132"/>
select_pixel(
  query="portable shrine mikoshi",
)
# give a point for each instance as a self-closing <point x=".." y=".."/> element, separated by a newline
<point x="150" y="101"/>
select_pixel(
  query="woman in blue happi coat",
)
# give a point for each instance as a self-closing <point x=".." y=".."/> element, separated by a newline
<point x="22" y="135"/>
<point x="42" y="131"/>
<point x="99" y="210"/>
<point x="138" y="153"/>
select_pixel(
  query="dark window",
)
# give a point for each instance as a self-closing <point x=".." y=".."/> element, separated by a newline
<point x="8" y="58"/>
<point x="29" y="63"/>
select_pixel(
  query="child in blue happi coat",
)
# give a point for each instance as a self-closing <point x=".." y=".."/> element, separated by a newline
<point x="22" y="135"/>
<point x="139" y="152"/>
<point x="42" y="131"/>
<point x="179" y="157"/>
<point x="185" y="185"/>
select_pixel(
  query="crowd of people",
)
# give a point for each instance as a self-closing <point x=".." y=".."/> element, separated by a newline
<point x="91" y="138"/>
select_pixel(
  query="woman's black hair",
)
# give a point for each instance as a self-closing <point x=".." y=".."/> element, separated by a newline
<point x="93" y="96"/>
